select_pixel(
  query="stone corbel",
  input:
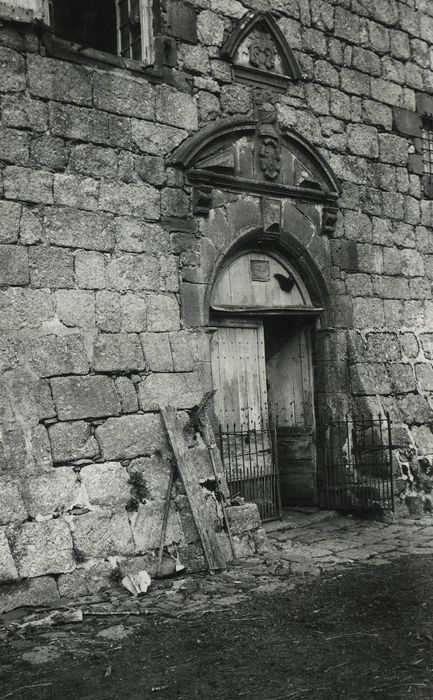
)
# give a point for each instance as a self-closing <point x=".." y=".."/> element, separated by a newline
<point x="330" y="215"/>
<point x="202" y="200"/>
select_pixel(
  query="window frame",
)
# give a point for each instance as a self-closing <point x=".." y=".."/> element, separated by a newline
<point x="68" y="48"/>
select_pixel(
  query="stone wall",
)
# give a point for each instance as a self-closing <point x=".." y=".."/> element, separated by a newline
<point x="104" y="269"/>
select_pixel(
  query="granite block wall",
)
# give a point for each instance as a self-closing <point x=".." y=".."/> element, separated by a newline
<point x="104" y="268"/>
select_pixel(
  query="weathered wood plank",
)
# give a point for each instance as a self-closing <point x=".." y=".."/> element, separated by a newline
<point x="200" y="513"/>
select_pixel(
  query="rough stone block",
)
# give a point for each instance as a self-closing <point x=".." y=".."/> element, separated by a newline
<point x="141" y="237"/>
<point x="163" y="313"/>
<point x="11" y="503"/>
<point x="21" y="112"/>
<point x="86" y="581"/>
<point x="14" y="266"/>
<point x="136" y="200"/>
<point x="10" y="214"/>
<point x="424" y="375"/>
<point x="210" y="28"/>
<point x="108" y="311"/>
<point x="369" y="379"/>
<point x="193" y="304"/>
<point x="368" y="313"/>
<point x="20" y="308"/>
<point x="181" y="21"/>
<point x="363" y="140"/>
<point x="407" y="122"/>
<point x="52" y="355"/>
<point x="174" y="202"/>
<point x="393" y="149"/>
<point x="243" y="518"/>
<point x="28" y="185"/>
<point x="131" y="436"/>
<point x="402" y="377"/>
<point x="43" y="548"/>
<point x="39" y="591"/>
<point x="176" y="108"/>
<point x="75" y="308"/>
<point x="155" y="471"/>
<point x="94" y="161"/>
<point x="85" y="397"/>
<point x="235" y="99"/>
<point x="178" y="390"/>
<point x="102" y="536"/>
<point x="72" y="441"/>
<point x="51" y="267"/>
<point x="127" y="394"/>
<point x="52" y="493"/>
<point x="117" y="353"/>
<point x="156" y="139"/>
<point x="73" y="122"/>
<point x="79" y="229"/>
<point x="76" y="191"/>
<point x="122" y="94"/>
<point x="133" y="271"/>
<point x="50" y="151"/>
<point x="13" y="77"/>
<point x="48" y="78"/>
<point x="133" y="313"/>
<point x="146" y="525"/>
<point x="8" y="571"/>
<point x="14" y="146"/>
<point x="106" y="484"/>
<point x="90" y="269"/>
<point x="157" y="351"/>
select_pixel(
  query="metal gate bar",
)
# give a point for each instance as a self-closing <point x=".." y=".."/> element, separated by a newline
<point x="355" y="464"/>
<point x="250" y="460"/>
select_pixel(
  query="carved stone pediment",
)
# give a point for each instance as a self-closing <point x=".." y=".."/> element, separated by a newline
<point x="255" y="156"/>
<point x="259" y="52"/>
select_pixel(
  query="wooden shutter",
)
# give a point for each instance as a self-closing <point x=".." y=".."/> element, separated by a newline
<point x="25" y="10"/>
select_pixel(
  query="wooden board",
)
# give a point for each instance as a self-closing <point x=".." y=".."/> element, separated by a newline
<point x="240" y="285"/>
<point x="194" y="492"/>
<point x="239" y="375"/>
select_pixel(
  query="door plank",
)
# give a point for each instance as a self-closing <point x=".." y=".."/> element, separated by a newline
<point x="193" y="489"/>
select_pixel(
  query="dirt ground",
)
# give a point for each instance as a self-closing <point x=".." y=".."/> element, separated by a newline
<point x="365" y="632"/>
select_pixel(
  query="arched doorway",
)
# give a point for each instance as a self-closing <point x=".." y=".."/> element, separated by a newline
<point x="262" y="368"/>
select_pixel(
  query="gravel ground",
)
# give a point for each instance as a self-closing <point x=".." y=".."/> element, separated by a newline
<point x="365" y="631"/>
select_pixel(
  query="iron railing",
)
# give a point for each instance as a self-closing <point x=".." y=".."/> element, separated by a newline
<point x="355" y="464"/>
<point x="250" y="462"/>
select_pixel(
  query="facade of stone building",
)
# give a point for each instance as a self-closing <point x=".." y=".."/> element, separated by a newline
<point x="203" y="194"/>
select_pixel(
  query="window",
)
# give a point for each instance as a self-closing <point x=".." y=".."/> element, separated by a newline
<point x="121" y="27"/>
<point x="427" y="140"/>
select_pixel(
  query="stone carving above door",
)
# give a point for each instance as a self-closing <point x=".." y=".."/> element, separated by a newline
<point x="259" y="52"/>
<point x="255" y="156"/>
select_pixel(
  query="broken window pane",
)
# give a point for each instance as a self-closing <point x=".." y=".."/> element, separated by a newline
<point x="122" y="27"/>
<point x="92" y="24"/>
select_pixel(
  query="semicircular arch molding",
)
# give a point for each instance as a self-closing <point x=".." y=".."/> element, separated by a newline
<point x="255" y="156"/>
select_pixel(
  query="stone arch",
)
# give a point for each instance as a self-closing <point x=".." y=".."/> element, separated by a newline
<point x="289" y="249"/>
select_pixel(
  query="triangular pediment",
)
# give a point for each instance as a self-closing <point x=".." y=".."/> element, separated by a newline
<point x="259" y="52"/>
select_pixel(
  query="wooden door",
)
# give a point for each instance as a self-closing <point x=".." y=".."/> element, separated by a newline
<point x="239" y="374"/>
<point x="291" y="407"/>
<point x="241" y="408"/>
